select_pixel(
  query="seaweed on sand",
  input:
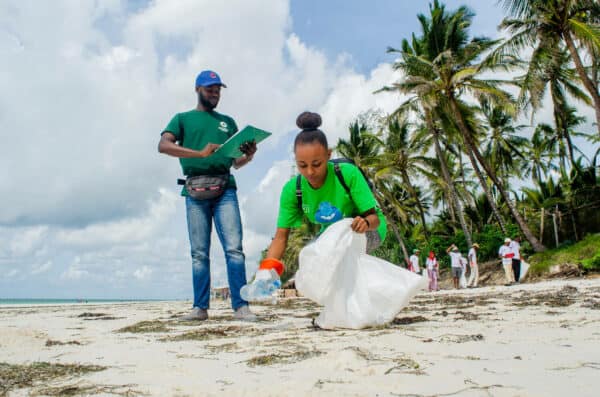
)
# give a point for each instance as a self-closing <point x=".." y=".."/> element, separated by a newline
<point x="51" y="342"/>
<point x="79" y="389"/>
<point x="17" y="376"/>
<point x="145" y="326"/>
<point x="207" y="333"/>
<point x="282" y="358"/>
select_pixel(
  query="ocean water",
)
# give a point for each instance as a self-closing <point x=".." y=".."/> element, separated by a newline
<point x="68" y="301"/>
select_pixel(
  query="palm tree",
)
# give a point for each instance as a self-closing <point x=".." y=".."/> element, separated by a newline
<point x="504" y="147"/>
<point x="445" y="76"/>
<point x="440" y="31"/>
<point x="549" y="68"/>
<point x="402" y="157"/>
<point x="547" y="24"/>
<point x="559" y="139"/>
<point x="363" y="149"/>
<point x="539" y="156"/>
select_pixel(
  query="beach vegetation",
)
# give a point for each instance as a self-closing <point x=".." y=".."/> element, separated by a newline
<point x="282" y="358"/>
<point x="145" y="326"/>
<point x="584" y="253"/>
<point x="18" y="376"/>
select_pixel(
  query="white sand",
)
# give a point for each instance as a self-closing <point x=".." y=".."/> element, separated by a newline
<point x="476" y="343"/>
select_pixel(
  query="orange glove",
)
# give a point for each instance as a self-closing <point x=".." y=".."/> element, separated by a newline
<point x="272" y="263"/>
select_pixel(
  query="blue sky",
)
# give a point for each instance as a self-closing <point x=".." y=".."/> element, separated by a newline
<point x="90" y="209"/>
<point x="365" y="30"/>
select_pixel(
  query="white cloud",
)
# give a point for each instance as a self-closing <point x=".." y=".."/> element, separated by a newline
<point x="142" y="273"/>
<point x="41" y="268"/>
<point x="75" y="271"/>
<point x="25" y="241"/>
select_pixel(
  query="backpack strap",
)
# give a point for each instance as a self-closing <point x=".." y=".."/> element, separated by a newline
<point x="299" y="191"/>
<point x="340" y="177"/>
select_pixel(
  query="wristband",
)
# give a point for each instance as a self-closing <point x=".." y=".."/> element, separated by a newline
<point x="368" y="223"/>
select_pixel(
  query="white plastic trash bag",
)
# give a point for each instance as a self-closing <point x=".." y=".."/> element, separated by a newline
<point x="524" y="269"/>
<point x="462" y="281"/>
<point x="357" y="290"/>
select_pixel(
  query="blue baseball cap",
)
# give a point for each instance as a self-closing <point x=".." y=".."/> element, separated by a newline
<point x="207" y="78"/>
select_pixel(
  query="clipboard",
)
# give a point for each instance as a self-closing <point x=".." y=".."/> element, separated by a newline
<point x="231" y="147"/>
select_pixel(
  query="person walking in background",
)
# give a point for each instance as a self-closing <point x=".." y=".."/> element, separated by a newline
<point x="414" y="261"/>
<point x="472" y="258"/>
<point x="515" y="246"/>
<point x="506" y="253"/>
<point x="455" y="264"/>
<point x="194" y="136"/>
<point x="432" y="271"/>
<point x="462" y="281"/>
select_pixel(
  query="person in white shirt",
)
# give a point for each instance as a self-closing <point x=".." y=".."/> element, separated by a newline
<point x="474" y="276"/>
<point x="432" y="271"/>
<point x="506" y="253"/>
<point x="455" y="264"/>
<point x="414" y="261"/>
<point x="515" y="246"/>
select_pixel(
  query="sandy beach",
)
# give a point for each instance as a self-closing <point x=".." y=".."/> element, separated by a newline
<point x="539" y="339"/>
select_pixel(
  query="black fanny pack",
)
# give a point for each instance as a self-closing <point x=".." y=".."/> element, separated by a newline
<point x="204" y="187"/>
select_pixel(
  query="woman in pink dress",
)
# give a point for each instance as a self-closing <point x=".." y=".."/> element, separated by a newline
<point x="432" y="271"/>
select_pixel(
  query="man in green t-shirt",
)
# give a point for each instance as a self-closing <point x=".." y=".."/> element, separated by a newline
<point x="193" y="137"/>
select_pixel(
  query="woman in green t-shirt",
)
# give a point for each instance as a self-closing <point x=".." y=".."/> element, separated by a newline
<point x="324" y="200"/>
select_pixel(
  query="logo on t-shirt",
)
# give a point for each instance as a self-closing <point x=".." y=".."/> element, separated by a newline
<point x="223" y="126"/>
<point x="327" y="213"/>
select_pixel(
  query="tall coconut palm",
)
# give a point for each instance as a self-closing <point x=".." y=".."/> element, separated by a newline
<point x="539" y="157"/>
<point x="503" y="147"/>
<point x="547" y="24"/>
<point x="440" y="31"/>
<point x="363" y="148"/>
<point x="457" y="72"/>
<point x="558" y="139"/>
<point x="402" y="157"/>
<point x="550" y="69"/>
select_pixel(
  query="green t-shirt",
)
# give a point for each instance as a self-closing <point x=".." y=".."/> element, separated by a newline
<point x="330" y="202"/>
<point x="194" y="130"/>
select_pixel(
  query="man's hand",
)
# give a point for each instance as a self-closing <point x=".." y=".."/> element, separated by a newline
<point x="248" y="148"/>
<point x="208" y="150"/>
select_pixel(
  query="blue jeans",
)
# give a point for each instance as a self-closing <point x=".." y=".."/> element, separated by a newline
<point x="226" y="213"/>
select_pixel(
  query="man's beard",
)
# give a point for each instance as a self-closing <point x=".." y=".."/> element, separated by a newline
<point x="206" y="104"/>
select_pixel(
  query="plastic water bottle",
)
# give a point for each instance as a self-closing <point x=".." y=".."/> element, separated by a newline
<point x="263" y="287"/>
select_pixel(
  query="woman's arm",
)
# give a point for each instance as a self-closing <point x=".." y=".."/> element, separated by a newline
<point x="279" y="243"/>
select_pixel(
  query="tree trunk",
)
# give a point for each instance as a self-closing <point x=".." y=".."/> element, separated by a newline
<point x="542" y="226"/>
<point x="555" y="227"/>
<point x="452" y="190"/>
<point x="590" y="85"/>
<point x="487" y="192"/>
<point x="468" y="138"/>
<point x="401" y="242"/>
<point x="389" y="220"/>
<point x="415" y="196"/>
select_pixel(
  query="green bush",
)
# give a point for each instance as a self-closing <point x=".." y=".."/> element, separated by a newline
<point x="592" y="263"/>
<point x="585" y="253"/>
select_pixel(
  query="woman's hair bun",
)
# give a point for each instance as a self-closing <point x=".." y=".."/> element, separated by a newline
<point x="308" y="121"/>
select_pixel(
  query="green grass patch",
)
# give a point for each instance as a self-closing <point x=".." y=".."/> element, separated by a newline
<point x="17" y="376"/>
<point x="583" y="253"/>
